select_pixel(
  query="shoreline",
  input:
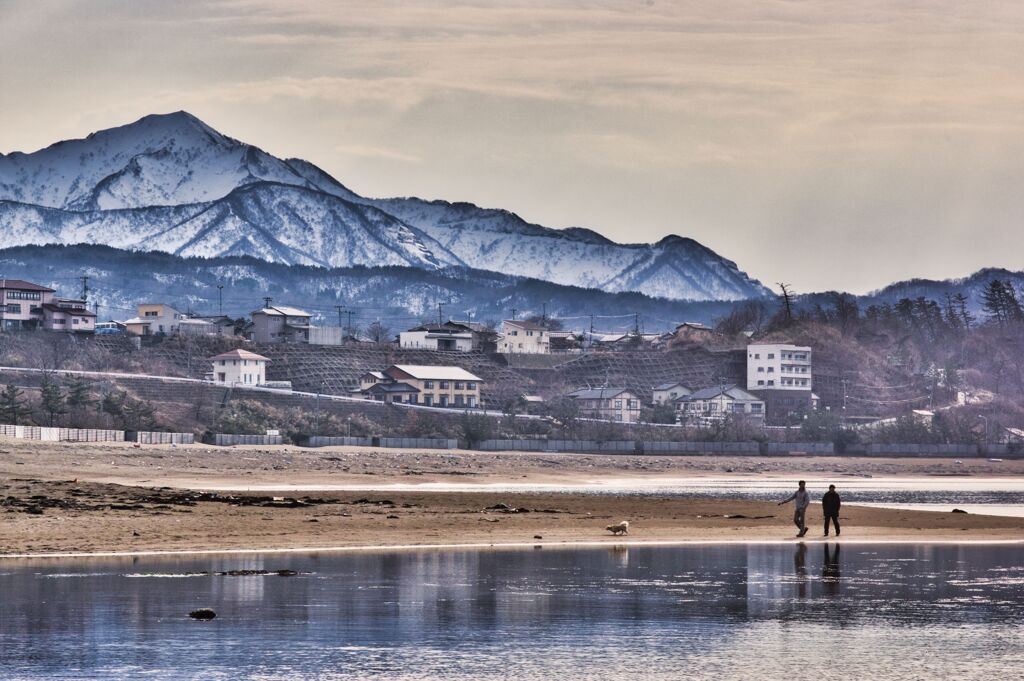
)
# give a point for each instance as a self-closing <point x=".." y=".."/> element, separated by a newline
<point x="628" y="544"/>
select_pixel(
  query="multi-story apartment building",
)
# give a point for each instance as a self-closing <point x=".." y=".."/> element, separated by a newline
<point x="781" y="374"/>
<point x="523" y="337"/>
<point x="280" y="324"/>
<point x="24" y="305"/>
<point x="240" y="367"/>
<point x="609" y="404"/>
<point x="432" y="386"/>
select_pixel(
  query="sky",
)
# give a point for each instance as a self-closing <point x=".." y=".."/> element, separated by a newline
<point x="828" y="145"/>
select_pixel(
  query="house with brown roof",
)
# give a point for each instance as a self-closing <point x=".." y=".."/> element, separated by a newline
<point x="432" y="386"/>
<point x="521" y="336"/>
<point x="25" y="306"/>
<point x="239" y="367"/>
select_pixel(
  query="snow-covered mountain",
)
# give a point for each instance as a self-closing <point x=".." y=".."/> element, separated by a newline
<point x="172" y="183"/>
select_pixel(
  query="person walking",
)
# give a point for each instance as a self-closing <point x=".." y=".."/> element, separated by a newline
<point x="802" y="500"/>
<point x="830" y="504"/>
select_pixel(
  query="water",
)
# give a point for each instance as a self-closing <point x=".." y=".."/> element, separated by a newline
<point x="992" y="496"/>
<point x="727" y="612"/>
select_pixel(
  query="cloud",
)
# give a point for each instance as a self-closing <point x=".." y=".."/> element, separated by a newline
<point x="365" y="151"/>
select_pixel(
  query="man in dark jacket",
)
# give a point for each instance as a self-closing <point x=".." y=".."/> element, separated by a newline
<point x="830" y="508"/>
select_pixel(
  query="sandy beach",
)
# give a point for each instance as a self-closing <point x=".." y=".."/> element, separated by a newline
<point x="80" y="498"/>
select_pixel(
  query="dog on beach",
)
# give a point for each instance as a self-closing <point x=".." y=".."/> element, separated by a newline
<point x="621" y="528"/>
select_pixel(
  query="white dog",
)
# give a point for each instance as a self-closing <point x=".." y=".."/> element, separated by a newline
<point x="621" y="528"/>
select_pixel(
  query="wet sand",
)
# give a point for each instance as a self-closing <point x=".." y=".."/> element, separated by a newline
<point x="76" y="498"/>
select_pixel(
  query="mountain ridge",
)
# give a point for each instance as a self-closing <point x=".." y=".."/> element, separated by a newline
<point x="173" y="183"/>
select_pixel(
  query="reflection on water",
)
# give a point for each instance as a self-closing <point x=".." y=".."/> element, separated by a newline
<point x="728" y="611"/>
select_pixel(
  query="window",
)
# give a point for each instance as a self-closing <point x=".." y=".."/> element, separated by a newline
<point x="23" y="295"/>
<point x="459" y="385"/>
<point x="428" y="400"/>
<point x="618" y="404"/>
<point x="760" y="370"/>
<point x="13" y="308"/>
<point x="470" y="385"/>
<point x="632" y="404"/>
<point x="458" y="400"/>
<point x="58" y="321"/>
<point x="771" y="382"/>
<point x="757" y="355"/>
<point x="760" y="382"/>
<point x="74" y="320"/>
<point x="771" y="370"/>
<point x="471" y="401"/>
<point x="150" y="313"/>
<point x="428" y="384"/>
<point x="444" y="400"/>
<point x="529" y="333"/>
<point x="444" y="385"/>
<point x="756" y="407"/>
<point x="513" y="333"/>
<point x="771" y="355"/>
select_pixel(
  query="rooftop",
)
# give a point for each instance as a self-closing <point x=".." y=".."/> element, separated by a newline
<point x="597" y="393"/>
<point x="282" y="311"/>
<point x="435" y="373"/>
<point x="524" y="324"/>
<point x="240" y="354"/>
<point x="731" y="390"/>
<point x="22" y="285"/>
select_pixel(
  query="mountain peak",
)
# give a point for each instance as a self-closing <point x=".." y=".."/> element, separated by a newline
<point x="171" y="182"/>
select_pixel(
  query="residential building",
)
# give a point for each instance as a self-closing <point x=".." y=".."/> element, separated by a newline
<point x="448" y="336"/>
<point x="371" y="378"/>
<point x="610" y="404"/>
<point x="280" y="324"/>
<point x="21" y="304"/>
<point x="223" y="325"/>
<point x="432" y="386"/>
<point x="668" y="393"/>
<point x="68" y="315"/>
<point x="565" y="342"/>
<point x="154" y="319"/>
<point x="693" y="332"/>
<point x="240" y="367"/>
<point x="24" y="306"/>
<point x="781" y="374"/>
<point x="717" y="402"/>
<point x="523" y="337"/>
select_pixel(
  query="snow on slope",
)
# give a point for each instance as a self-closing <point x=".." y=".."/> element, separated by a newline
<point x="172" y="183"/>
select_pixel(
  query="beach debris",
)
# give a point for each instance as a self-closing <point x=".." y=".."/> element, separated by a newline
<point x="996" y="460"/>
<point x="203" y="614"/>
<point x="958" y="510"/>
<point x="374" y="502"/>
<point x="537" y="536"/>
<point x="392" y="517"/>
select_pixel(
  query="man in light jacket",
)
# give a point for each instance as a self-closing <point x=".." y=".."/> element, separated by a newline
<point x="803" y="500"/>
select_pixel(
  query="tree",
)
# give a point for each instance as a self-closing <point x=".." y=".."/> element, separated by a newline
<point x="113" y="405"/>
<point x="12" y="406"/>
<point x="999" y="300"/>
<point x="139" y="415"/>
<point x="78" y="397"/>
<point x="52" y="399"/>
<point x="378" y="333"/>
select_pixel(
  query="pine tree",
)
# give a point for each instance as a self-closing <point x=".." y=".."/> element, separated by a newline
<point x="79" y="396"/>
<point x="966" y="318"/>
<point x="52" y="399"/>
<point x="994" y="301"/>
<point x="113" y="405"/>
<point x="12" y="406"/>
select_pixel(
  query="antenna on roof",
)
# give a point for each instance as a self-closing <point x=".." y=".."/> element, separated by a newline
<point x="266" y="301"/>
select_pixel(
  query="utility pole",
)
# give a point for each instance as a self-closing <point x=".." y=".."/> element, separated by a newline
<point x="844" y="402"/>
<point x="513" y="314"/>
<point x="349" y="313"/>
<point x="85" y="287"/>
<point x="544" y="315"/>
<point x="220" y="300"/>
<point x="440" y="306"/>
<point x="96" y="309"/>
<point x="339" y="308"/>
<point x="636" y="323"/>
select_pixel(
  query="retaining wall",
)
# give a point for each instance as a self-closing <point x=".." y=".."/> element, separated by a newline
<point x="226" y="439"/>
<point x="329" y="441"/>
<point x="416" y="442"/>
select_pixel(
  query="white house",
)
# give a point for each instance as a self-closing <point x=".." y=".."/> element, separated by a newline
<point x="280" y="324"/>
<point x="448" y="336"/>
<point x="523" y="337"/>
<point x="240" y="367"/>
